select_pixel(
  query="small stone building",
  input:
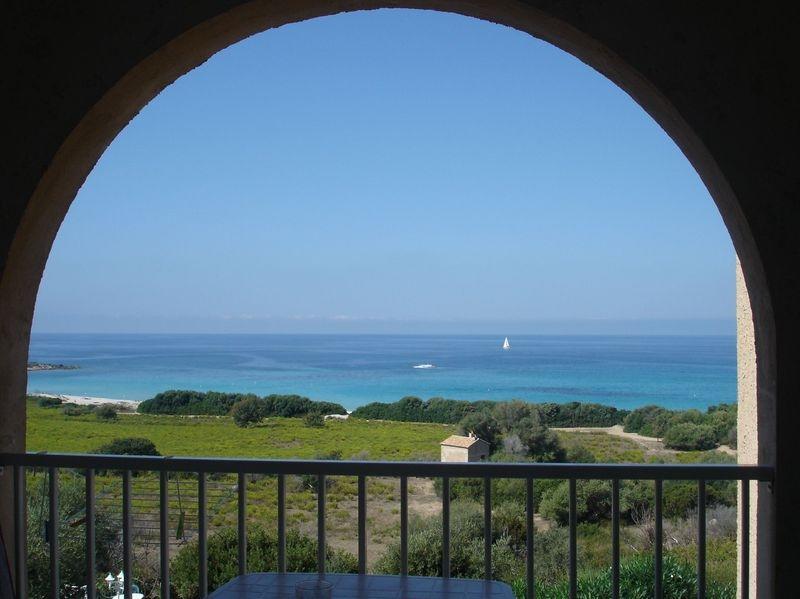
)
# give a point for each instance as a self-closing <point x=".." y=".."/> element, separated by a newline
<point x="457" y="448"/>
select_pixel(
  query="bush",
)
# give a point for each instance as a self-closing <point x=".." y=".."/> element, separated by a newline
<point x="649" y="421"/>
<point x="49" y="402"/>
<point x="262" y="556"/>
<point x="248" y="411"/>
<point x="687" y="436"/>
<point x="575" y="413"/>
<point x="466" y="548"/>
<point x="314" y="419"/>
<point x="636" y="582"/>
<point x="593" y="502"/>
<point x="71" y="409"/>
<point x="128" y="446"/>
<point x="106" y="412"/>
<point x="71" y="537"/>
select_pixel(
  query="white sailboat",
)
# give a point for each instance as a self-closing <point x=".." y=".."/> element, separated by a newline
<point x="506" y="344"/>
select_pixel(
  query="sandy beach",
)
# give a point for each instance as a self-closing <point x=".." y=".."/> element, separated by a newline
<point x="82" y="400"/>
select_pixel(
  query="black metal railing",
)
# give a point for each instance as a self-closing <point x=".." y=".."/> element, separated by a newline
<point x="89" y="464"/>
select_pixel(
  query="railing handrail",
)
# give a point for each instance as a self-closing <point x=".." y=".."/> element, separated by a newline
<point x="393" y="469"/>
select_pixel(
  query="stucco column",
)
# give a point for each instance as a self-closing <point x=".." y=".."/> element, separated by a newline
<point x="755" y="440"/>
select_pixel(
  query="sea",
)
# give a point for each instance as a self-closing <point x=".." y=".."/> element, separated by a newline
<point x="676" y="372"/>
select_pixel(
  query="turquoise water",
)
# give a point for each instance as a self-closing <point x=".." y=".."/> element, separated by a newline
<point x="624" y="371"/>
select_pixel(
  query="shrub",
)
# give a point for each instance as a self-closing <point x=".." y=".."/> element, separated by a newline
<point x="248" y="411"/>
<point x="71" y="409"/>
<point x="262" y="556"/>
<point x="731" y="439"/>
<point x="650" y="421"/>
<point x="466" y="548"/>
<point x="687" y="436"/>
<point x="580" y="454"/>
<point x="314" y="419"/>
<point x="71" y="537"/>
<point x="636" y="575"/>
<point x="106" y="412"/>
<point x="49" y="402"/>
<point x="593" y="501"/>
<point x="128" y="446"/>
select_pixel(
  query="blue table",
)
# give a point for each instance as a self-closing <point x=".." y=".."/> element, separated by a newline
<point x="354" y="586"/>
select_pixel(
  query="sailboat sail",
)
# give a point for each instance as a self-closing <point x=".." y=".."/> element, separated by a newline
<point x="506" y="344"/>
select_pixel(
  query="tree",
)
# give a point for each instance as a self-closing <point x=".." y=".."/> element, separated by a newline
<point x="247" y="411"/>
<point x="542" y="443"/>
<point x="509" y="413"/>
<point x="483" y="425"/>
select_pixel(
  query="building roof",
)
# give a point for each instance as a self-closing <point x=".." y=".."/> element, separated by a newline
<point x="460" y="441"/>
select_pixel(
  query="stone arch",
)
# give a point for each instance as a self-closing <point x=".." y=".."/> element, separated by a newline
<point x="184" y="37"/>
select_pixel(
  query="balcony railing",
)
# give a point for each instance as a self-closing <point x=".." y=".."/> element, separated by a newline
<point x="530" y="472"/>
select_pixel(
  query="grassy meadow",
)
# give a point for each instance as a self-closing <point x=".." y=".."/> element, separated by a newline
<point x="217" y="436"/>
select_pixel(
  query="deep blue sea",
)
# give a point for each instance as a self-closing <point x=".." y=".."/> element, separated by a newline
<point x="623" y="371"/>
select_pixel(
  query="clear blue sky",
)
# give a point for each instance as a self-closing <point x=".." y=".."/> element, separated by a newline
<point x="391" y="171"/>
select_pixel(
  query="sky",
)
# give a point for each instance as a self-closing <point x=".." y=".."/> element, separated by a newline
<point x="391" y="171"/>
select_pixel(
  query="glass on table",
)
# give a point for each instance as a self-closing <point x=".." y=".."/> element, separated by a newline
<point x="313" y="589"/>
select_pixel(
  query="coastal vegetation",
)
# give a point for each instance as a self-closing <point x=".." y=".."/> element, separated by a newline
<point x="452" y="411"/>
<point x="686" y="429"/>
<point x="214" y="403"/>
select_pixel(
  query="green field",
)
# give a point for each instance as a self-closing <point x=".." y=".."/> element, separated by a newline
<point x="50" y="430"/>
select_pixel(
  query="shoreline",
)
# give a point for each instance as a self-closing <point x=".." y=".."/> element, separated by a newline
<point x="83" y="400"/>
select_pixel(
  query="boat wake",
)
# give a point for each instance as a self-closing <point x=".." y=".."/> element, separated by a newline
<point x="424" y="366"/>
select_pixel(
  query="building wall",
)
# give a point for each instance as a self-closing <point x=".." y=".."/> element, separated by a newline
<point x="479" y="451"/>
<point x="454" y="454"/>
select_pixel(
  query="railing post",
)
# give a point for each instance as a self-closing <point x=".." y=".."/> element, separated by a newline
<point x="91" y="589"/>
<point x="20" y="533"/>
<point x="744" y="560"/>
<point x="281" y="523"/>
<point x="362" y="525"/>
<point x="573" y="540"/>
<point x="242" y="522"/>
<point x="52" y="533"/>
<point x="403" y="525"/>
<point x="446" y="527"/>
<point x="321" y="524"/>
<point x="487" y="528"/>
<point x="163" y="525"/>
<point x="202" y="533"/>
<point x="531" y="592"/>
<point x="615" y="539"/>
<point x="659" y="542"/>
<point x="701" y="539"/>
<point x="127" y="541"/>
